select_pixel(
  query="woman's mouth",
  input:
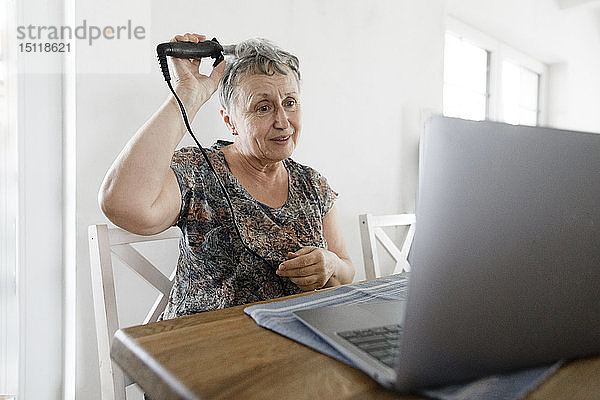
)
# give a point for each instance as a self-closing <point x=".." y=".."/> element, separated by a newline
<point x="281" y="139"/>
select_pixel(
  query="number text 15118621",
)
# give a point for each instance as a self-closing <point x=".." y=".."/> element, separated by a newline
<point x="45" y="47"/>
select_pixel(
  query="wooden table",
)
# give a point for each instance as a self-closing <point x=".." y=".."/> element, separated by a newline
<point x="224" y="354"/>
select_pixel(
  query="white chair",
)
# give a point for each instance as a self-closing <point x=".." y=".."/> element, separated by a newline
<point x="371" y="232"/>
<point x="103" y="241"/>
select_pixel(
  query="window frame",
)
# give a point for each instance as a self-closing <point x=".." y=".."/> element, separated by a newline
<point x="10" y="323"/>
<point x="499" y="52"/>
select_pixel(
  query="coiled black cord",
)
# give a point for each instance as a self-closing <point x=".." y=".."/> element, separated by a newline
<point x="227" y="198"/>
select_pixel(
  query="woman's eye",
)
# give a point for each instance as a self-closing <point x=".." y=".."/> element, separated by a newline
<point x="290" y="103"/>
<point x="263" y="108"/>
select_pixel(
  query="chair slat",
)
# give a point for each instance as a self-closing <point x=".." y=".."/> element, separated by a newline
<point x="408" y="240"/>
<point x="388" y="244"/>
<point x="143" y="267"/>
<point x="112" y="381"/>
<point x="371" y="232"/>
<point x="160" y="304"/>
<point x="367" y="238"/>
<point x="393" y="220"/>
<point x="103" y="241"/>
<point x="120" y="236"/>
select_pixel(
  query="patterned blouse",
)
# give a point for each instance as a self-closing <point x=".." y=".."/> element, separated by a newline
<point x="215" y="268"/>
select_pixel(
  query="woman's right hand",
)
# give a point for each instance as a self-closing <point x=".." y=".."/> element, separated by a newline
<point x="192" y="87"/>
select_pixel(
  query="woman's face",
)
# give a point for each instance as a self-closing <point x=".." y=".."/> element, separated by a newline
<point x="266" y="116"/>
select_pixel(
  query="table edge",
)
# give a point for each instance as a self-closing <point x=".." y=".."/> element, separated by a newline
<point x="169" y="387"/>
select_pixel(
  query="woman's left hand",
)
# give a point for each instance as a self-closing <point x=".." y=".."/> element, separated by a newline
<point x="310" y="267"/>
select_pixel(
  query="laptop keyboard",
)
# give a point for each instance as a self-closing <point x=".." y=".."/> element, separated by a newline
<point x="382" y="343"/>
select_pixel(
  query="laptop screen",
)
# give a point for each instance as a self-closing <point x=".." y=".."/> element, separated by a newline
<point x="506" y="255"/>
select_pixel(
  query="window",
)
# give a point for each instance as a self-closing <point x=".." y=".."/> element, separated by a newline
<point x="465" y="79"/>
<point x="485" y="79"/>
<point x="520" y="94"/>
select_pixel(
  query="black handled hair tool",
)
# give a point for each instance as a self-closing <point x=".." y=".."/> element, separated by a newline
<point x="209" y="48"/>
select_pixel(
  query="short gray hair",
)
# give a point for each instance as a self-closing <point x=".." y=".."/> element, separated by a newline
<point x="255" y="56"/>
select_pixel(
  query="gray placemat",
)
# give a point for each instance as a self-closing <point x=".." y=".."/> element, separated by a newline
<point x="278" y="317"/>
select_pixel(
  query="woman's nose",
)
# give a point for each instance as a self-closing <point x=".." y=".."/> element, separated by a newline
<point x="281" y="118"/>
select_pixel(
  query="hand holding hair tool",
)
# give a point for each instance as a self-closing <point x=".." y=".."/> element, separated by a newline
<point x="209" y="48"/>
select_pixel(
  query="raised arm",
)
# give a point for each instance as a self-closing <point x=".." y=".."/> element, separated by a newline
<point x="140" y="192"/>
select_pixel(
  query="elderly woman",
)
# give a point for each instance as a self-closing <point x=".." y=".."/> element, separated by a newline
<point x="283" y="236"/>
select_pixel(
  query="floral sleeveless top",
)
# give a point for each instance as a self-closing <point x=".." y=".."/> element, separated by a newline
<point x="218" y="268"/>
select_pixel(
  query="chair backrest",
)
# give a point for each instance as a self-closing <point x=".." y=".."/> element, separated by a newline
<point x="103" y="242"/>
<point x="371" y="232"/>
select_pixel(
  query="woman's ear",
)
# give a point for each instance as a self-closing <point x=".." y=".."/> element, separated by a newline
<point x="228" y="121"/>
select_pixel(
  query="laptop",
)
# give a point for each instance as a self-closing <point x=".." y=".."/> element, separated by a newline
<point x="505" y="261"/>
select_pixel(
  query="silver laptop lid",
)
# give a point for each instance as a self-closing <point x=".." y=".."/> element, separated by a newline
<point x="506" y="255"/>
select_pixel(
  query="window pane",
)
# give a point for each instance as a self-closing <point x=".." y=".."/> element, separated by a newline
<point x="528" y="117"/>
<point x="461" y="104"/>
<point x="465" y="79"/>
<point x="520" y="92"/>
<point x="529" y="88"/>
<point x="465" y="65"/>
<point x="510" y="92"/>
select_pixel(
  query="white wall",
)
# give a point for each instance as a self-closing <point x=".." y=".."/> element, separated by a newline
<point x="372" y="72"/>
